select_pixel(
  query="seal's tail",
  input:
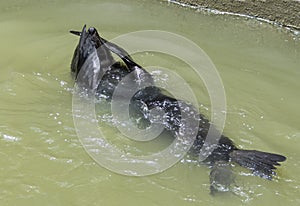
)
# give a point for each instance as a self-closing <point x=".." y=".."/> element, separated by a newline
<point x="262" y="164"/>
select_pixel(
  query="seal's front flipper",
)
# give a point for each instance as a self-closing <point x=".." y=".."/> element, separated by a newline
<point x="262" y="164"/>
<point x="221" y="177"/>
<point x="77" y="33"/>
<point x="122" y="53"/>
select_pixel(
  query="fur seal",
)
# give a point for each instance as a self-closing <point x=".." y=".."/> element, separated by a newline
<point x="93" y="50"/>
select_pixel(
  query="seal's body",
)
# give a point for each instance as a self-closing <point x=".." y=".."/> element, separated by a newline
<point x="94" y="52"/>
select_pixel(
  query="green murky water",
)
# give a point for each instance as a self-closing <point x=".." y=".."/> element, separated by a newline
<point x="42" y="161"/>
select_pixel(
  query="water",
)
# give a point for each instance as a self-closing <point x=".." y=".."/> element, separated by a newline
<point x="42" y="160"/>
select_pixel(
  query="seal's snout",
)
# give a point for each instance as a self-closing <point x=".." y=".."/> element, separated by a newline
<point x="92" y="30"/>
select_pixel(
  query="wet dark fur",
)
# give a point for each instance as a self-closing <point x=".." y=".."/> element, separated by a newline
<point x="261" y="163"/>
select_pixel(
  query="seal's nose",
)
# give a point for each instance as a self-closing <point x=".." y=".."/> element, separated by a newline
<point x="92" y="30"/>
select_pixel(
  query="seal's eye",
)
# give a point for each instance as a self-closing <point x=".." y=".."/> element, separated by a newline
<point x="92" y="30"/>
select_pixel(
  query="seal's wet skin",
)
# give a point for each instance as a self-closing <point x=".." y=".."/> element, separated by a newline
<point x="95" y="69"/>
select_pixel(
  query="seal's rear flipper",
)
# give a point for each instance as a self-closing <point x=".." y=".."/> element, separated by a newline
<point x="221" y="177"/>
<point x="261" y="163"/>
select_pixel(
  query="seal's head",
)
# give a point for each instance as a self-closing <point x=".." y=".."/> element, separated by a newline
<point x="88" y="42"/>
<point x="91" y="58"/>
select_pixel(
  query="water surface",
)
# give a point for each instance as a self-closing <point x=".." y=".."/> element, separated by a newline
<point x="42" y="160"/>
